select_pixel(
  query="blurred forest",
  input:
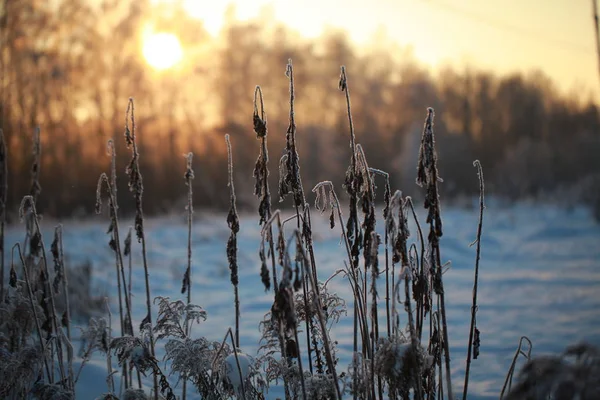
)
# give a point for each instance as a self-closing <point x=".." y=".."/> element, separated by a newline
<point x="69" y="67"/>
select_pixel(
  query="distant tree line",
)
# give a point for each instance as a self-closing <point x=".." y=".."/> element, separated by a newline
<point x="69" y="67"/>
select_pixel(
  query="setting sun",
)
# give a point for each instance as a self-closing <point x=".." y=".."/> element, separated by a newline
<point x="162" y="50"/>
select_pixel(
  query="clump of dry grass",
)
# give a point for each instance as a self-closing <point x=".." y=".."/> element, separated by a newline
<point x="405" y="360"/>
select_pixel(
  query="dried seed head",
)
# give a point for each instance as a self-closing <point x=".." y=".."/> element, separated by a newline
<point x="189" y="172"/>
<point x="130" y="133"/>
<point x="232" y="220"/>
<point x="127" y="249"/>
<point x="35" y="167"/>
<point x="57" y="257"/>
<point x="259" y="121"/>
<point x="427" y="176"/>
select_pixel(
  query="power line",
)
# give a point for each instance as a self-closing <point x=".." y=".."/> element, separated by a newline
<point x="510" y="28"/>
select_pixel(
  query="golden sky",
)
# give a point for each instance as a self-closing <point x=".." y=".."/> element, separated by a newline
<point x="555" y="36"/>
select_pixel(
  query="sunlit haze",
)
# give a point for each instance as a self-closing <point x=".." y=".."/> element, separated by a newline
<point x="506" y="36"/>
<point x="161" y="50"/>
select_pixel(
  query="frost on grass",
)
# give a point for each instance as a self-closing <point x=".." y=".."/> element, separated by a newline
<point x="397" y="361"/>
<point x="21" y="359"/>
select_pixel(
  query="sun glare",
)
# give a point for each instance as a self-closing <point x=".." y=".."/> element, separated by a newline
<point x="162" y="50"/>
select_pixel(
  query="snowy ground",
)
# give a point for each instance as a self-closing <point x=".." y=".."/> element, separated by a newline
<point x="540" y="277"/>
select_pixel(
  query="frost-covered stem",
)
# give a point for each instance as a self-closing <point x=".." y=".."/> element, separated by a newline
<point x="307" y="321"/>
<point x="352" y="223"/>
<point x="419" y="324"/>
<point x="55" y="325"/>
<point x="477" y="164"/>
<point x="125" y="321"/>
<point x="65" y="284"/>
<point x="189" y="175"/>
<point x="35" y="315"/>
<point x="387" y="282"/>
<point x="237" y="361"/>
<point x="411" y="326"/>
<point x="294" y="181"/>
<point x="436" y="260"/>
<point x="365" y="167"/>
<point x="511" y="370"/>
<point x="130" y="265"/>
<point x="374" y="321"/>
<point x="110" y="381"/>
<point x="260" y="127"/>
<point x="344" y="87"/>
<point x="116" y="235"/>
<point x="113" y="216"/>
<point x="187" y="281"/>
<point x="360" y="319"/>
<point x="325" y="334"/>
<point x="233" y="222"/>
<point x="130" y="271"/>
<point x="427" y="175"/>
<point x="136" y="185"/>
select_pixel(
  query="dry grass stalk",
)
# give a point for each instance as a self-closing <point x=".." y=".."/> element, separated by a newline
<point x="27" y="210"/>
<point x="116" y="239"/>
<point x="261" y="188"/>
<point x="136" y="186"/>
<point x="3" y="201"/>
<point x="519" y="352"/>
<point x="61" y="276"/>
<point x="36" y="188"/>
<point x="427" y="176"/>
<point x="386" y="212"/>
<point x="187" y="278"/>
<point x="473" y="331"/>
<point x="234" y="225"/>
<point x="34" y="310"/>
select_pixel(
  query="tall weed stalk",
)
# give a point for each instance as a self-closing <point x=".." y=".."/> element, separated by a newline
<point x="136" y="186"/>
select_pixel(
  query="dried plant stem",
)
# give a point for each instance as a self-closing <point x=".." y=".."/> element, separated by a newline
<point x="65" y="285"/>
<point x="596" y="31"/>
<point x="29" y="200"/>
<point x="187" y="280"/>
<point x="117" y="239"/>
<point x="411" y="326"/>
<point x="261" y="173"/>
<point x="511" y="370"/>
<point x="127" y="252"/>
<point x="420" y="305"/>
<point x="292" y="183"/>
<point x="386" y="211"/>
<point x="3" y="201"/>
<point x="472" y="328"/>
<point x="137" y="187"/>
<point x="352" y="189"/>
<point x="353" y="275"/>
<point x="189" y="175"/>
<point x="113" y="215"/>
<point x="237" y="361"/>
<point x="110" y="380"/>
<point x="35" y="315"/>
<point x="427" y="175"/>
<point x="125" y="320"/>
<point x="35" y="167"/>
<point x="234" y="225"/>
<point x="319" y="308"/>
<point x="65" y="281"/>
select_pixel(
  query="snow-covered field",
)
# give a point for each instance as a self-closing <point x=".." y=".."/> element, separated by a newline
<point x="539" y="277"/>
